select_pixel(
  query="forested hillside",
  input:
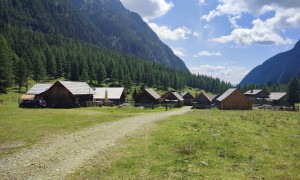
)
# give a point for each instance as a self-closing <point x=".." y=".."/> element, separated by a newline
<point x="101" y="22"/>
<point x="56" y="47"/>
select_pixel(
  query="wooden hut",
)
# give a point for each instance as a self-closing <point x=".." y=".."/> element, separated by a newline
<point x="234" y="99"/>
<point x="115" y="95"/>
<point x="34" y="92"/>
<point x="202" y="101"/>
<point x="213" y="98"/>
<point x="257" y="96"/>
<point x="172" y="99"/>
<point x="147" y="98"/>
<point x="277" y="99"/>
<point x="67" y="94"/>
<point x="188" y="98"/>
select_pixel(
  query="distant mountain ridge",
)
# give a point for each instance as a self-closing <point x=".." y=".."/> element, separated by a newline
<point x="278" y="69"/>
<point x="103" y="22"/>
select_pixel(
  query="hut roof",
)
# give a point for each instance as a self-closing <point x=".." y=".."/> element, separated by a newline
<point x="27" y="97"/>
<point x="253" y="92"/>
<point x="212" y="96"/>
<point x="77" y="88"/>
<point x="38" y="88"/>
<point x="113" y="93"/>
<point x="202" y="94"/>
<point x="177" y="96"/>
<point x="276" y="95"/>
<point x="226" y="94"/>
<point x="186" y="93"/>
<point x="151" y="92"/>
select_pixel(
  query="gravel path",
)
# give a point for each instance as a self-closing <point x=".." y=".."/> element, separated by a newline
<point x="57" y="157"/>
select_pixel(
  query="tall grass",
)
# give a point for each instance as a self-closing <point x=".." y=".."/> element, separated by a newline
<point x="208" y="144"/>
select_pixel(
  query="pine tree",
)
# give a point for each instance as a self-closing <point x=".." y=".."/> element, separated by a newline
<point x="21" y="73"/>
<point x="293" y="92"/>
<point x="50" y="64"/>
<point x="134" y="94"/>
<point x="101" y="73"/>
<point x="74" y="74"/>
<point x="6" y="65"/>
<point x="38" y="68"/>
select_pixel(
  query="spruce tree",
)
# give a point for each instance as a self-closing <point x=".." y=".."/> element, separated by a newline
<point x="21" y="73"/>
<point x="293" y="92"/>
<point x="6" y="64"/>
<point x="101" y="73"/>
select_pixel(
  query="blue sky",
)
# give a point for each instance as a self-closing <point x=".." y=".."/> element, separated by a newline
<point x="222" y="38"/>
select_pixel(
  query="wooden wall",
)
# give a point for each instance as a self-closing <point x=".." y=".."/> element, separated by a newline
<point x="236" y="100"/>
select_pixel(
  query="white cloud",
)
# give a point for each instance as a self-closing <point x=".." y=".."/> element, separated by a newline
<point x="148" y="9"/>
<point x="196" y="34"/>
<point x="180" y="51"/>
<point x="259" y="34"/>
<point x="165" y="32"/>
<point x="287" y="15"/>
<point x="201" y="2"/>
<point x="207" y="53"/>
<point x="232" y="74"/>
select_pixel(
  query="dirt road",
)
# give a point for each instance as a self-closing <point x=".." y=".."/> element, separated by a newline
<point x="59" y="156"/>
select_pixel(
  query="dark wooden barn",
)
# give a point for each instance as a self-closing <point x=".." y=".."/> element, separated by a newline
<point x="257" y="96"/>
<point x="67" y="94"/>
<point x="202" y="101"/>
<point x="277" y="99"/>
<point x="147" y="98"/>
<point x="172" y="99"/>
<point x="234" y="99"/>
<point x="188" y="98"/>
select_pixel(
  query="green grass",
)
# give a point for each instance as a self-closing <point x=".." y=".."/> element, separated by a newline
<point x="207" y="144"/>
<point x="21" y="128"/>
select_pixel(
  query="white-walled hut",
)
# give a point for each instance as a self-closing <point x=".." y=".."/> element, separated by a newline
<point x="116" y="95"/>
<point x="234" y="99"/>
<point x="68" y="94"/>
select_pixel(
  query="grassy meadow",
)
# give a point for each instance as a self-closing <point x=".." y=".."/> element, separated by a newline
<point x="21" y="128"/>
<point x="207" y="144"/>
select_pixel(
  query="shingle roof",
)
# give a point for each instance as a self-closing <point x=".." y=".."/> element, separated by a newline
<point x="226" y="94"/>
<point x="212" y="97"/>
<point x="112" y="93"/>
<point x="177" y="96"/>
<point x="202" y="94"/>
<point x="38" y="88"/>
<point x="253" y="92"/>
<point x="276" y="95"/>
<point x="152" y="93"/>
<point x="186" y="93"/>
<point x="77" y="88"/>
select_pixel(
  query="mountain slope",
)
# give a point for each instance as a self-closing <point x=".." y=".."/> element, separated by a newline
<point x="278" y="69"/>
<point x="102" y="22"/>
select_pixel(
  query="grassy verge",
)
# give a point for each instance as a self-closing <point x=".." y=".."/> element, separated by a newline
<point x="208" y="144"/>
<point x="23" y="127"/>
